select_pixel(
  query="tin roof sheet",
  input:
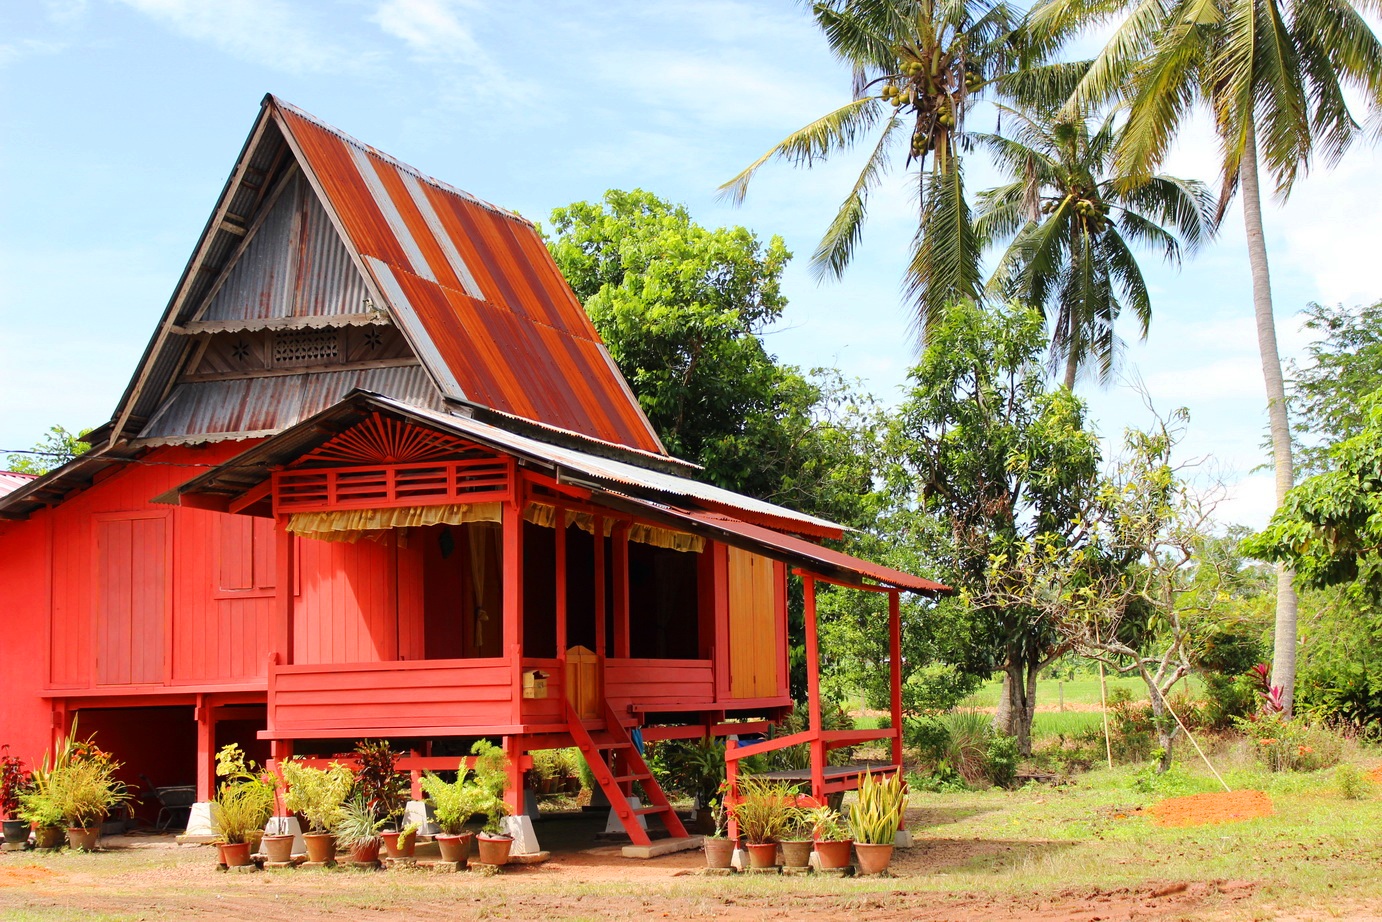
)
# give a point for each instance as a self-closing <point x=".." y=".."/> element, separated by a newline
<point x="475" y="287"/>
<point x="13" y="480"/>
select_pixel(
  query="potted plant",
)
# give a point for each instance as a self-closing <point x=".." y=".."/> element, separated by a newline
<point x="762" y="813"/>
<point x="400" y="843"/>
<point x="491" y="779"/>
<point x="379" y="782"/>
<point x="359" y="831"/>
<point x="39" y="810"/>
<point x="244" y="803"/>
<point x="83" y="787"/>
<point x="797" y="834"/>
<point x="832" y="838"/>
<point x="14" y="781"/>
<point x="453" y="804"/>
<point x="719" y="848"/>
<point x="875" y="817"/>
<point x="569" y="770"/>
<point x="319" y="795"/>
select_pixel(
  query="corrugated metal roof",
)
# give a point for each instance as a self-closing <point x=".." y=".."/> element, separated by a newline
<point x="13" y="480"/>
<point x="294" y="265"/>
<point x="620" y="486"/>
<point x="476" y="283"/>
<point x="231" y="409"/>
<point x="825" y="556"/>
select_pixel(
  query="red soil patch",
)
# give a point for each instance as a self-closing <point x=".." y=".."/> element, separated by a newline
<point x="1212" y="809"/>
<point x="1376" y="775"/>
<point x="16" y="877"/>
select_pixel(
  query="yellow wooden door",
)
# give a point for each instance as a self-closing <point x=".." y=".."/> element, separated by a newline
<point x="583" y="682"/>
<point x="753" y="648"/>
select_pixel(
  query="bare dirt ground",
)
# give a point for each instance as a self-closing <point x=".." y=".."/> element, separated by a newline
<point x="1043" y="855"/>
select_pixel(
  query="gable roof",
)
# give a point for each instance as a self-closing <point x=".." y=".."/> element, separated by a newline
<point x="471" y="287"/>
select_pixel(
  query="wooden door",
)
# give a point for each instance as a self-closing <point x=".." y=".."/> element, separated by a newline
<point x="131" y="599"/>
<point x="582" y="677"/>
<point x="753" y="641"/>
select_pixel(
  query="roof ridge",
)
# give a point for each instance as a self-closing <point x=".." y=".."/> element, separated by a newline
<point x="283" y="104"/>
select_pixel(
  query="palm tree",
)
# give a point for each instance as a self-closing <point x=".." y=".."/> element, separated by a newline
<point x="1073" y="222"/>
<point x="1274" y="76"/>
<point x="918" y="67"/>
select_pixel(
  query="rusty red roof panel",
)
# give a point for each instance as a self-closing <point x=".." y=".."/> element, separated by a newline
<point x="479" y="285"/>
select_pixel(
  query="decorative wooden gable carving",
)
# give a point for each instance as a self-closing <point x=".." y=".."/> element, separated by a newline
<point x="383" y="463"/>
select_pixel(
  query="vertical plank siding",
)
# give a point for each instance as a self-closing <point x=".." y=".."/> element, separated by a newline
<point x="145" y="594"/>
<point x="753" y="642"/>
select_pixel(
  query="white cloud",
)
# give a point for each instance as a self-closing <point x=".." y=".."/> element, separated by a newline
<point x="26" y="48"/>
<point x="430" y="28"/>
<point x="271" y="33"/>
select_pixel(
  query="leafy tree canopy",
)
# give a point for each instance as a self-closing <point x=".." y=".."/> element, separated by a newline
<point x="682" y="309"/>
<point x="1344" y="366"/>
<point x="53" y="451"/>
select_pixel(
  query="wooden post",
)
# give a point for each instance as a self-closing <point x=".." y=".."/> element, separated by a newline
<point x="513" y="601"/>
<point x="895" y="654"/>
<point x="280" y="751"/>
<point x="731" y="794"/>
<point x="621" y="590"/>
<point x="206" y="744"/>
<point x="286" y="546"/>
<point x="560" y="526"/>
<point x="601" y="603"/>
<point x="813" y="689"/>
<point x="513" y="795"/>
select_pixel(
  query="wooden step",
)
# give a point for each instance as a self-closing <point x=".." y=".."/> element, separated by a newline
<point x="644" y="811"/>
<point x="620" y="779"/>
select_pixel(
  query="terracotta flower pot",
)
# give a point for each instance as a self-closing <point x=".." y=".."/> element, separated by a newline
<point x="833" y="855"/>
<point x="321" y="847"/>
<point x="235" y="854"/>
<point x="573" y="784"/>
<point x="873" y="859"/>
<point x="719" y="853"/>
<point x="48" y="837"/>
<point x="84" y="839"/>
<point x="797" y="854"/>
<point x="396" y="846"/>
<point x="762" y="854"/>
<point x="277" y="849"/>
<point x="455" y="848"/>
<point x="494" y="850"/>
<point x="365" y="853"/>
<point x="16" y="832"/>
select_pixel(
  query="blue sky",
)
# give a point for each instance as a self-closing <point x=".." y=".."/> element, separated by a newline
<point x="122" y="118"/>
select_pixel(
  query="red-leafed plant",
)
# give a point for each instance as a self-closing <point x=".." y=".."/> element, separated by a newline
<point x="1273" y="697"/>
<point x="14" y="780"/>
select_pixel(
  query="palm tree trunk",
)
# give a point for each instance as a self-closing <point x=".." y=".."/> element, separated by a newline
<point x="1072" y="365"/>
<point x="1284" y="645"/>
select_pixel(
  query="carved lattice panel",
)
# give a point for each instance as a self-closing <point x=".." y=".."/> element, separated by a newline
<point x="293" y="348"/>
<point x="383" y="440"/>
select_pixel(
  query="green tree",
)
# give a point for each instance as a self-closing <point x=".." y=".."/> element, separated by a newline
<point x="1073" y="222"/>
<point x="1345" y="365"/>
<point x="53" y="451"/>
<point x="682" y="309"/>
<point x="1274" y="76"/>
<point x="985" y="446"/>
<point x="918" y="66"/>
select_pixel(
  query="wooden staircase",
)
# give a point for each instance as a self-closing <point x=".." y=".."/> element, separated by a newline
<point x="617" y="764"/>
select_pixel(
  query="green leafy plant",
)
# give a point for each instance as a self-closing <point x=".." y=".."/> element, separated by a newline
<point x="1000" y="761"/>
<point x="876" y="814"/>
<point x="245" y="799"/>
<point x="1290" y="744"/>
<point x="82" y="785"/>
<point x="453" y="802"/>
<point x="491" y="777"/>
<point x="359" y="824"/>
<point x="319" y="794"/>
<point x="718" y="817"/>
<point x="826" y="824"/>
<point x="764" y="809"/>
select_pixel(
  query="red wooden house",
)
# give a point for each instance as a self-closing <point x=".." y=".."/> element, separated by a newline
<point x="377" y="476"/>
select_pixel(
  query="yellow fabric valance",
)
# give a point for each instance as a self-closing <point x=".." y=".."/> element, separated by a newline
<point x="350" y="525"/>
<point x="546" y="516"/>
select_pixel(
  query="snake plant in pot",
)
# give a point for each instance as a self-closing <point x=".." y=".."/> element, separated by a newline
<point x="875" y="816"/>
